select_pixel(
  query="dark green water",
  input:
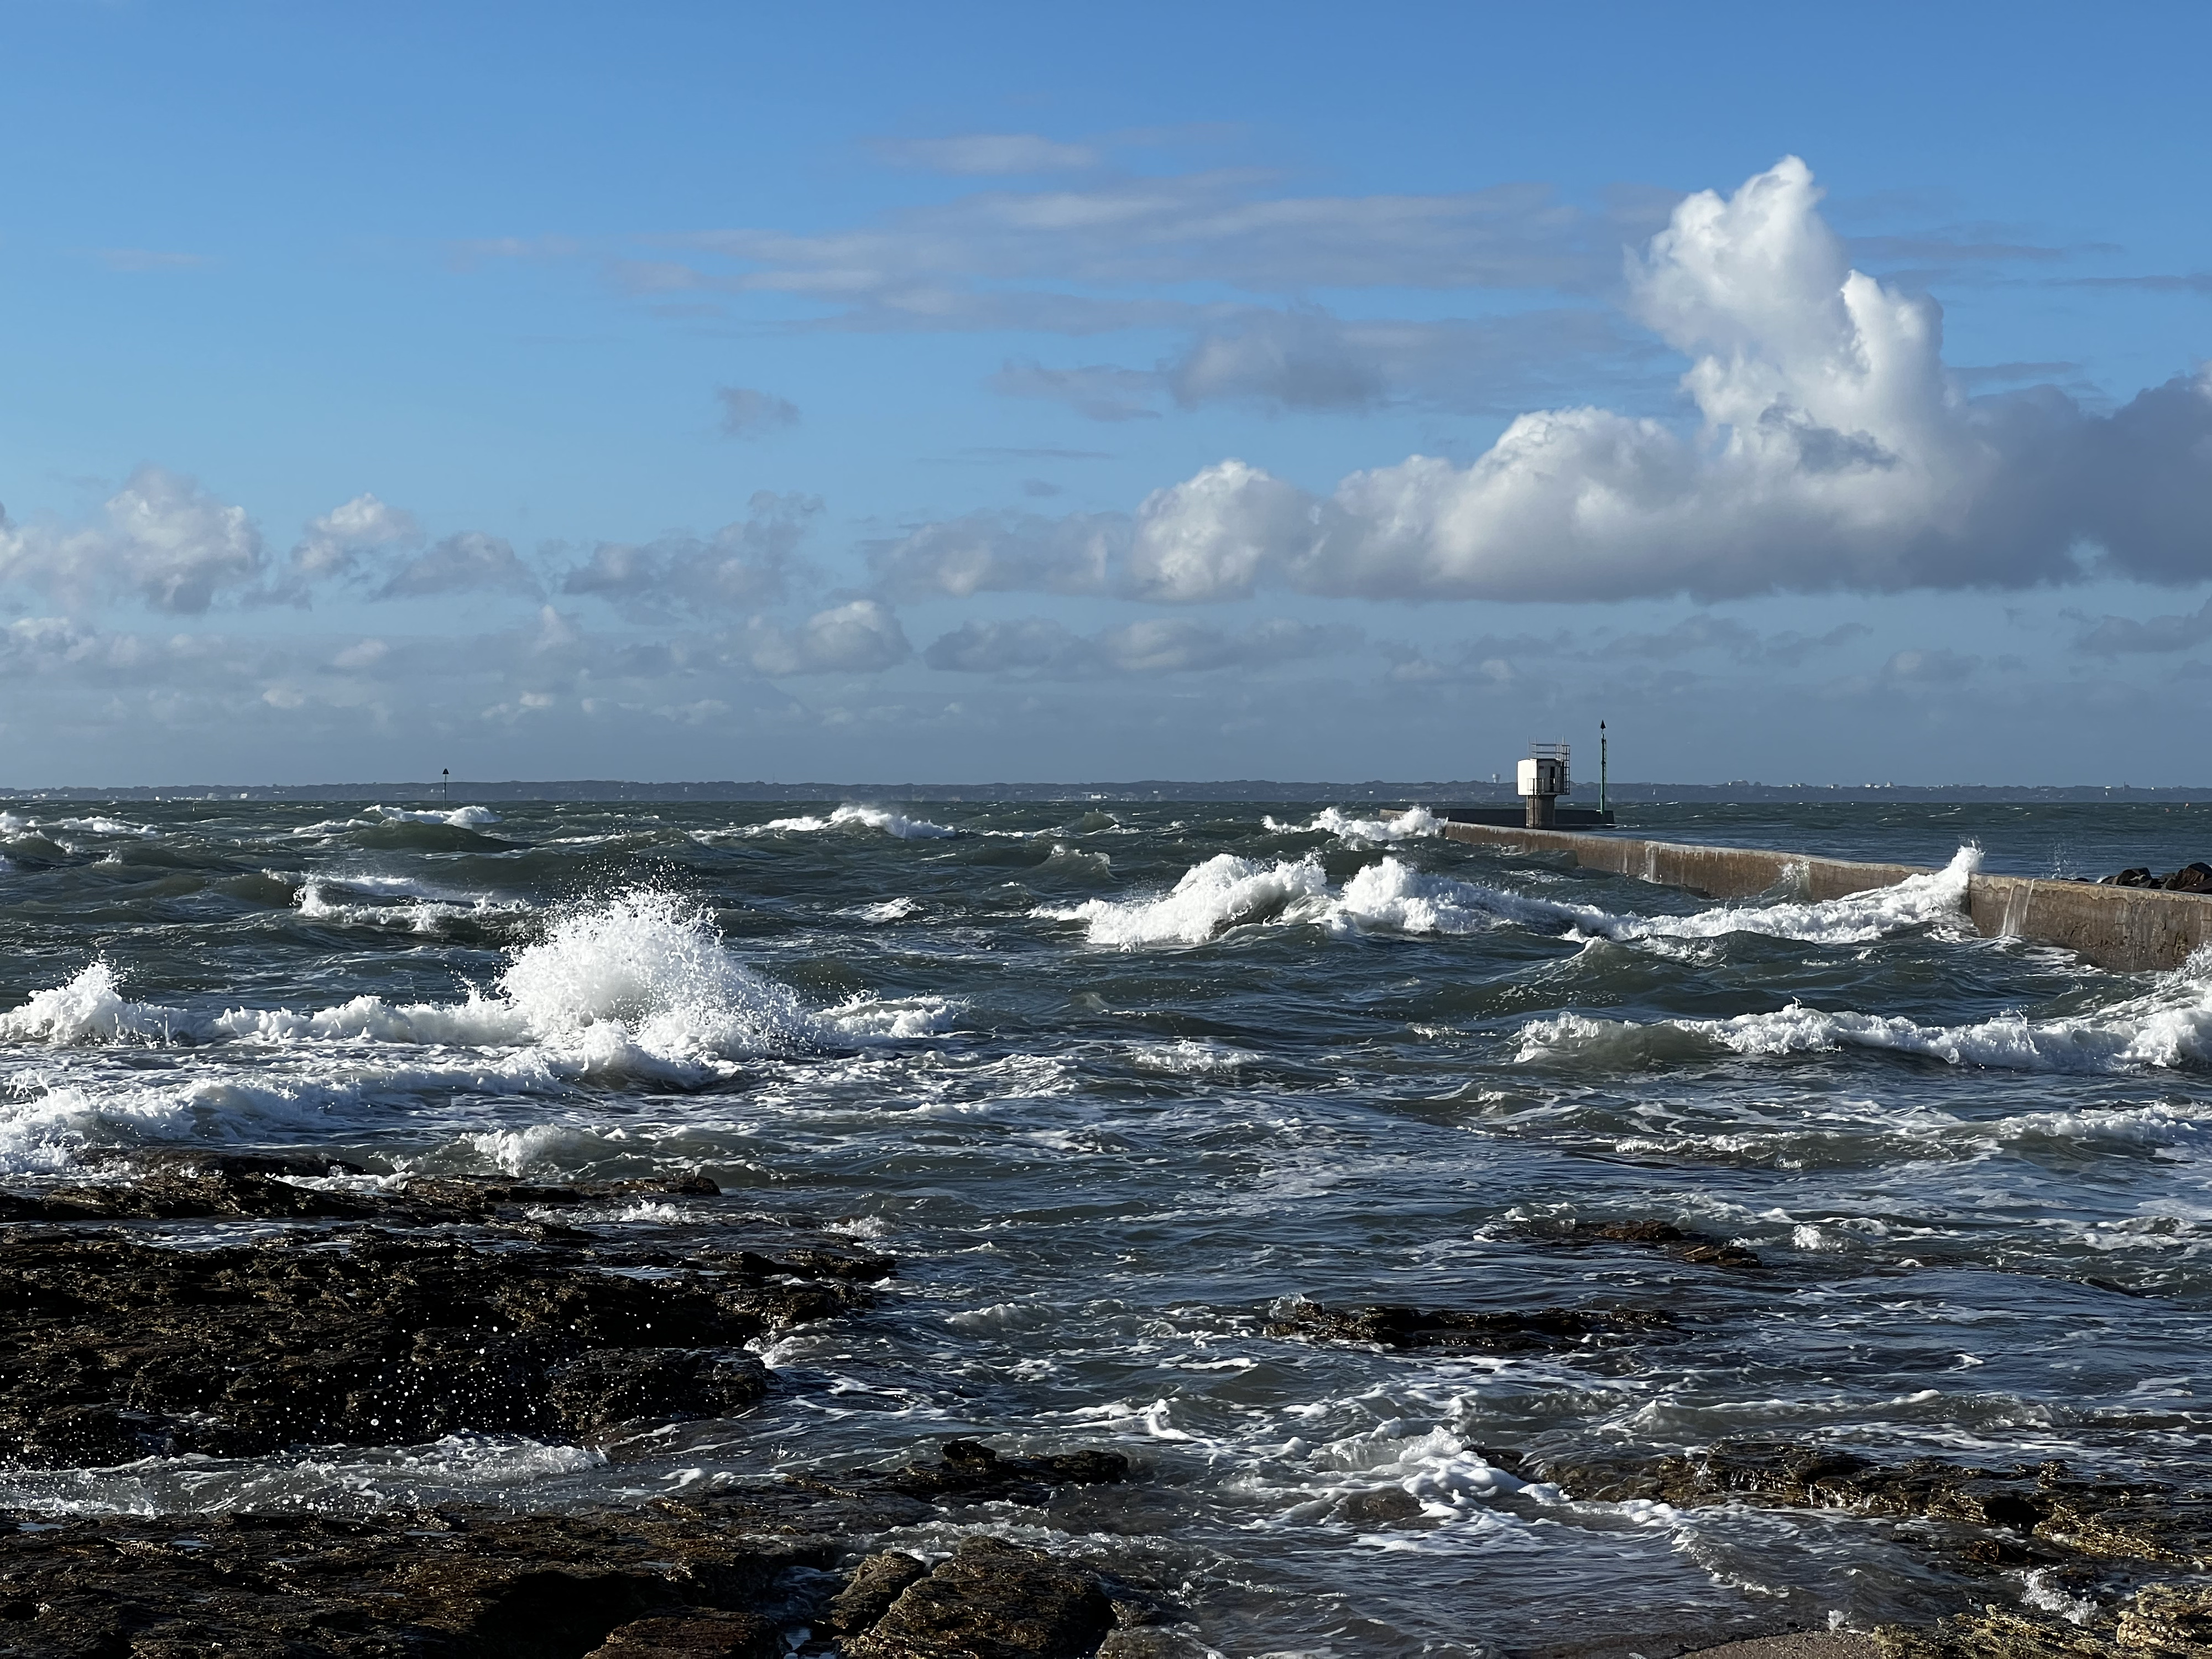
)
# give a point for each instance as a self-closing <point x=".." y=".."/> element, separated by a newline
<point x="1112" y="1083"/>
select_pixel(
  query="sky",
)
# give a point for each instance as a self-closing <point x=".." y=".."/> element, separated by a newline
<point x="990" y="392"/>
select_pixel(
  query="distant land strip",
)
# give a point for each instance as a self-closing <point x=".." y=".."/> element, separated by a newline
<point x="1434" y="793"/>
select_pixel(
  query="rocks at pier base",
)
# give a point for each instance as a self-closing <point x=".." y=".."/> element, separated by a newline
<point x="1390" y="1326"/>
<point x="747" y="1572"/>
<point x="2190" y="878"/>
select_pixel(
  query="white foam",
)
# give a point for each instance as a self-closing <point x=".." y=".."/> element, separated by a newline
<point x="460" y="1468"/>
<point x="2167" y="1027"/>
<point x="1390" y="896"/>
<point x="866" y="817"/>
<point x="898" y="910"/>
<point x="90" y="1008"/>
<point x="320" y="901"/>
<point x="105" y="826"/>
<point x="639" y="987"/>
<point x="1936" y="897"/>
<point x="642" y="972"/>
<point x="1223" y="892"/>
<point x="1393" y="896"/>
<point x="460" y="817"/>
<point x="1189" y="1057"/>
<point x="1409" y="825"/>
<point x="897" y="1018"/>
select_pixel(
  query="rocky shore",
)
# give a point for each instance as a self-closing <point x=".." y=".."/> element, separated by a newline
<point x="355" y="1312"/>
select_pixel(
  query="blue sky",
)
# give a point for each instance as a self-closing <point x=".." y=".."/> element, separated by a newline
<point x="995" y="392"/>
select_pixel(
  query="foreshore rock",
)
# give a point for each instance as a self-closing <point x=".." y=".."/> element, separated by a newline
<point x="2159" y="1621"/>
<point x="1684" y="1245"/>
<point x="2096" y="1538"/>
<point x="2052" y="1512"/>
<point x="744" y="1571"/>
<point x="120" y="1347"/>
<point x="394" y="1312"/>
<point x="1392" y="1326"/>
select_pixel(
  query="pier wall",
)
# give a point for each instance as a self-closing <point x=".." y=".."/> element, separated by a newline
<point x="2128" y="929"/>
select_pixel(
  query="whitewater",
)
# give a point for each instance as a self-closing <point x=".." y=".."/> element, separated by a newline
<point x="1118" y="1084"/>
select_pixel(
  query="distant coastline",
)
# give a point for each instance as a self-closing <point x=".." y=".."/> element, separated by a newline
<point x="1144" y="789"/>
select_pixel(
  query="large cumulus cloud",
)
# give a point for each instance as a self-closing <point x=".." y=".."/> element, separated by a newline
<point x="161" y="538"/>
<point x="1831" y="450"/>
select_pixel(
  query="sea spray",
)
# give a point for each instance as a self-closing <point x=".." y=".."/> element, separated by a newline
<point x="1227" y="891"/>
<point x="864" y="818"/>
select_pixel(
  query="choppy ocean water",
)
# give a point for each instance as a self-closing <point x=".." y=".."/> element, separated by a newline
<point x="1115" y="1082"/>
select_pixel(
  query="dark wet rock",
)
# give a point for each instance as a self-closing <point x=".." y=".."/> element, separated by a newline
<point x="969" y="1472"/>
<point x="1383" y="1504"/>
<point x="2159" y="1621"/>
<point x="2191" y="878"/>
<point x="697" y="1635"/>
<point x="457" y="1584"/>
<point x="1680" y="1242"/>
<point x="993" y="1600"/>
<point x="120" y="1348"/>
<point x="189" y="1184"/>
<point x="1391" y="1326"/>
<point x="2138" y="876"/>
<point x="870" y="1589"/>
<point x="605" y="1388"/>
<point x="2088" y="1536"/>
<point x="737" y="1572"/>
<point x="2140" y="1520"/>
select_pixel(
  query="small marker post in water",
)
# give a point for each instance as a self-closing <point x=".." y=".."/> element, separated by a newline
<point x="1601" y="768"/>
<point x="445" y="784"/>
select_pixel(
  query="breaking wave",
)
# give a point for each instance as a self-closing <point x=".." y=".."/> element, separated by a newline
<point x="2167" y="1027"/>
<point x="1227" y="891"/>
<point x="639" y="982"/>
<point x="866" y="817"/>
<point x="1411" y="824"/>
<point x="639" y="987"/>
<point x="460" y="818"/>
<point x="399" y="905"/>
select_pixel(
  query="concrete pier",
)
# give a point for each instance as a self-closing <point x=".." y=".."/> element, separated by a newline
<point x="2128" y="929"/>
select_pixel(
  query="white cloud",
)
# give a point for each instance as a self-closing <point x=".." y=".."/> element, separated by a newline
<point x="342" y="544"/>
<point x="748" y="412"/>
<point x="1208" y="537"/>
<point x="743" y="563"/>
<point x="1300" y="358"/>
<point x="1833" y="451"/>
<point x="1305" y="358"/>
<point x="857" y="638"/>
<point x="1065" y="259"/>
<point x="470" y="561"/>
<point x="160" y="536"/>
<point x="981" y="153"/>
<point x="999" y="553"/>
<point x="1034" y="646"/>
<point x="363" y="654"/>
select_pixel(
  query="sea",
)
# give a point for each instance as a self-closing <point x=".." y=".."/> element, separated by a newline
<point x="1120" y="1086"/>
